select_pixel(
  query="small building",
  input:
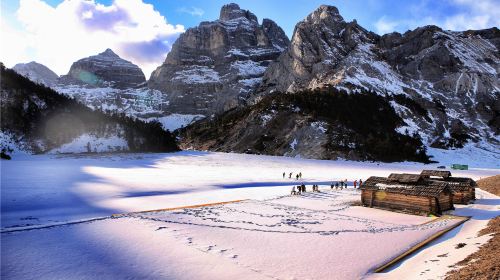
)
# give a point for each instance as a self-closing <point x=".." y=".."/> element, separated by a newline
<point x="407" y="192"/>
<point x="464" y="189"/>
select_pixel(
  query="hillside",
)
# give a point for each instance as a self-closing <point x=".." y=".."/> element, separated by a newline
<point x="323" y="124"/>
<point x="37" y="119"/>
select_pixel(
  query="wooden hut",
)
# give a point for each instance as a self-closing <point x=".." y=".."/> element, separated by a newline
<point x="407" y="192"/>
<point x="464" y="189"/>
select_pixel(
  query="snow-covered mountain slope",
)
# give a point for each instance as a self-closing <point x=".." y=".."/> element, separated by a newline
<point x="37" y="72"/>
<point x="37" y="119"/>
<point x="215" y="66"/>
<point x="104" y="90"/>
<point x="445" y="85"/>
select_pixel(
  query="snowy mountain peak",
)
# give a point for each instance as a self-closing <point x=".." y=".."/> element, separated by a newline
<point x="233" y="11"/>
<point x="213" y="67"/>
<point x="443" y="84"/>
<point x="110" y="53"/>
<point x="36" y="72"/>
<point x="105" y="69"/>
<point x="324" y="12"/>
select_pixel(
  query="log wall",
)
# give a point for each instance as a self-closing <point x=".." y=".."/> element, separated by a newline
<point x="463" y="197"/>
<point x="412" y="203"/>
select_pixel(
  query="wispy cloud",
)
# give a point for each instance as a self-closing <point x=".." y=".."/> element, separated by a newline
<point x="194" y="11"/>
<point x="383" y="25"/>
<point x="477" y="14"/>
<point x="467" y="14"/>
<point x="57" y="36"/>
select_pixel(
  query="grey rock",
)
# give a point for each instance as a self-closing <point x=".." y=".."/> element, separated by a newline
<point x="104" y="69"/>
<point x="215" y="66"/>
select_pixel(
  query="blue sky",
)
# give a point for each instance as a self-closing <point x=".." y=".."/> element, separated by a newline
<point x="144" y="34"/>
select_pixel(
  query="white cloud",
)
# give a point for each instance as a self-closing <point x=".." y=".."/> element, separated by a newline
<point x="194" y="11"/>
<point x="58" y="36"/>
<point x="478" y="14"/>
<point x="384" y="26"/>
<point x="15" y="46"/>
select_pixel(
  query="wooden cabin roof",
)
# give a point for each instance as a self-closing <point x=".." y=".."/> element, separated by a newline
<point x="405" y="178"/>
<point x="429" y="189"/>
<point x="460" y="184"/>
<point x="436" y="173"/>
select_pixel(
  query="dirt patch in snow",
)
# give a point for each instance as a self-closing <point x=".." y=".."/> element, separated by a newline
<point x="482" y="264"/>
<point x="490" y="184"/>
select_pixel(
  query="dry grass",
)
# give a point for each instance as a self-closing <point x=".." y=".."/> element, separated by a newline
<point x="483" y="264"/>
<point x="490" y="184"/>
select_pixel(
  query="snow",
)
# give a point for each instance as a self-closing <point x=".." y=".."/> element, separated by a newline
<point x="252" y="82"/>
<point x="237" y="52"/>
<point x="240" y="23"/>
<point x="87" y="186"/>
<point x="441" y="255"/>
<point x="176" y="121"/>
<point x="248" y="68"/>
<point x="270" y="234"/>
<point x="13" y="145"/>
<point x="319" y="126"/>
<point x="197" y="75"/>
<point x="293" y="144"/>
<point x="476" y="155"/>
<point x="134" y="102"/>
<point x="96" y="144"/>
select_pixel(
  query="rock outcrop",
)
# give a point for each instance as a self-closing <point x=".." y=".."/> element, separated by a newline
<point x="106" y="69"/>
<point x="37" y="73"/>
<point x="444" y="84"/>
<point x="215" y="66"/>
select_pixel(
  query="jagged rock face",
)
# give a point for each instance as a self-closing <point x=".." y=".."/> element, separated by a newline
<point x="214" y="67"/>
<point x="320" y="41"/>
<point x="104" y="69"/>
<point x="444" y="84"/>
<point x="37" y="73"/>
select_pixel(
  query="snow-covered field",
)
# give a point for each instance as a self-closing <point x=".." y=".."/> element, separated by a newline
<point x="269" y="235"/>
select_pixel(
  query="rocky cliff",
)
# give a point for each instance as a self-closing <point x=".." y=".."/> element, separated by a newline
<point x="106" y="69"/>
<point x="37" y="73"/>
<point x="444" y="84"/>
<point x="215" y="66"/>
<point x="435" y="88"/>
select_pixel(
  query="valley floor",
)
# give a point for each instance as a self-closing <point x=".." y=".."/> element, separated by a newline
<point x="56" y="220"/>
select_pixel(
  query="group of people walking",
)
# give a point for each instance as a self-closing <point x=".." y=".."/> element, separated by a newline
<point x="315" y="188"/>
<point x="343" y="184"/>
<point x="297" y="176"/>
<point x="300" y="189"/>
